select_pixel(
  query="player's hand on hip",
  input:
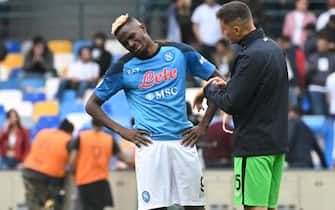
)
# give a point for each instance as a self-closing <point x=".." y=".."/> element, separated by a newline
<point x="136" y="136"/>
<point x="192" y="135"/>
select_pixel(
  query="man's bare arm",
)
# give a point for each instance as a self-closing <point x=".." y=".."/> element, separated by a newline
<point x="93" y="108"/>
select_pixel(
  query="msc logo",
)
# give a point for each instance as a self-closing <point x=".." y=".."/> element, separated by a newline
<point x="146" y="196"/>
<point x="150" y="78"/>
<point x="168" y="56"/>
<point x="161" y="94"/>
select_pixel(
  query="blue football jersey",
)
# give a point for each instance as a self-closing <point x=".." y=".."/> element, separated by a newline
<point x="155" y="87"/>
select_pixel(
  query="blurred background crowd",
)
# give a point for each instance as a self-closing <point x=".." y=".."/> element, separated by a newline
<point x="54" y="53"/>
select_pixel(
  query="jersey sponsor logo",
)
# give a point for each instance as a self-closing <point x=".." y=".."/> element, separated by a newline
<point x="133" y="71"/>
<point x="168" y="56"/>
<point x="162" y="94"/>
<point x="150" y="78"/>
<point x="146" y="196"/>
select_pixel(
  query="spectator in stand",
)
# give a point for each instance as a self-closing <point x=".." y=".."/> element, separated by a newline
<point x="45" y="167"/>
<point x="302" y="142"/>
<point x="319" y="66"/>
<point x="92" y="151"/>
<point x="323" y="19"/>
<point x="179" y="22"/>
<point x="39" y="59"/>
<point x="206" y="27"/>
<point x="14" y="142"/>
<point x="99" y="54"/>
<point x="82" y="74"/>
<point x="311" y="40"/>
<point x="223" y="56"/>
<point x="220" y="156"/>
<point x="295" y="22"/>
<point x="329" y="32"/>
<point x="292" y="62"/>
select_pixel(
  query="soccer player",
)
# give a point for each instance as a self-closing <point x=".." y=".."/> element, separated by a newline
<point x="257" y="98"/>
<point x="153" y="76"/>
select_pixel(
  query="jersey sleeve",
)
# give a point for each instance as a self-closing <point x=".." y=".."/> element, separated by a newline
<point x="111" y="83"/>
<point x="197" y="65"/>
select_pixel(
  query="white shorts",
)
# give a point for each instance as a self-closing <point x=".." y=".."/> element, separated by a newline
<point x="168" y="173"/>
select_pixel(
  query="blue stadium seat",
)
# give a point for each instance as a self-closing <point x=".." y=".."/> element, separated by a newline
<point x="12" y="46"/>
<point x="33" y="82"/>
<point x="45" y="122"/>
<point x="14" y="74"/>
<point x="68" y="96"/>
<point x="48" y="122"/>
<point x="79" y="44"/>
<point x="71" y="107"/>
<point x="9" y="84"/>
<point x="34" y="97"/>
<point x="2" y="115"/>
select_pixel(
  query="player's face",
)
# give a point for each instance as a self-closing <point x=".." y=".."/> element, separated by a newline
<point x="134" y="38"/>
<point x="231" y="31"/>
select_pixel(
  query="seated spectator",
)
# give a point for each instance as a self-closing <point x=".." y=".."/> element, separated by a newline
<point x="219" y="155"/>
<point x="82" y="74"/>
<point x="39" y="59"/>
<point x="99" y="54"/>
<point x="14" y="142"/>
<point x="302" y="142"/>
<point x="319" y="66"/>
<point x="329" y="32"/>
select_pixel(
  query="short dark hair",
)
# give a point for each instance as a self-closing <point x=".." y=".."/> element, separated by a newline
<point x="235" y="10"/>
<point x="96" y="123"/>
<point x="296" y="109"/>
<point x="83" y="48"/>
<point x="225" y="42"/>
<point x="66" y="126"/>
<point x="38" y="40"/>
<point x="100" y="35"/>
<point x="331" y="18"/>
<point x="284" y="38"/>
<point x="309" y="26"/>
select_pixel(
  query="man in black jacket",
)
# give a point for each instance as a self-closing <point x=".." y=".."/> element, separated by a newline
<point x="302" y="142"/>
<point x="257" y="98"/>
<point x="100" y="54"/>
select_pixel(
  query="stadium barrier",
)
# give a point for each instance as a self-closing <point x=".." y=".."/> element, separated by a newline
<point x="307" y="190"/>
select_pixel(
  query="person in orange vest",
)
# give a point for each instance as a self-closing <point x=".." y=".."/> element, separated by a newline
<point x="44" y="169"/>
<point x="90" y="155"/>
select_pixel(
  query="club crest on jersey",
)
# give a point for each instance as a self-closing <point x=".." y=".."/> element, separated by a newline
<point x="202" y="60"/>
<point x="168" y="56"/>
<point x="150" y="78"/>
